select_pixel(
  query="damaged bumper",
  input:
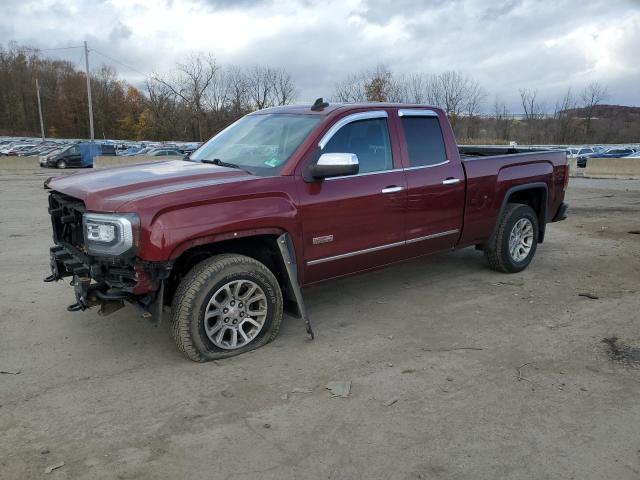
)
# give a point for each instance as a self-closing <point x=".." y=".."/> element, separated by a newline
<point x="108" y="283"/>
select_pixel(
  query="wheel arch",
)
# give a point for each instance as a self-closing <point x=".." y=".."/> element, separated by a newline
<point x="535" y="195"/>
<point x="260" y="245"/>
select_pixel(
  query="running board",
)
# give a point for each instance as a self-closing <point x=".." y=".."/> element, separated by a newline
<point x="287" y="251"/>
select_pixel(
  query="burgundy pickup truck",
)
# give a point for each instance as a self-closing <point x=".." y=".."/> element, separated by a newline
<point x="287" y="197"/>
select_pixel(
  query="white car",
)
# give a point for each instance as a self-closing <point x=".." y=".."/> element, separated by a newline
<point x="575" y="152"/>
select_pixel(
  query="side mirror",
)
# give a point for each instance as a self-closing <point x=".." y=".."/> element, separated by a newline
<point x="335" y="165"/>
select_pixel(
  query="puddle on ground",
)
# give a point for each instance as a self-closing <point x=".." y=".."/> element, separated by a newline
<point x="620" y="352"/>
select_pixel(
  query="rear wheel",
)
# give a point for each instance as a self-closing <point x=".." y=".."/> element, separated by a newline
<point x="61" y="164"/>
<point x="514" y="244"/>
<point x="225" y="306"/>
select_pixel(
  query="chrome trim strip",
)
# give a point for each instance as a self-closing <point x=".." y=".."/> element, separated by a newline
<point x="381" y="247"/>
<point x="352" y="254"/>
<point x="364" y="174"/>
<point x="427" y="166"/>
<point x="433" y="235"/>
<point x="415" y="112"/>
<point x="350" y="119"/>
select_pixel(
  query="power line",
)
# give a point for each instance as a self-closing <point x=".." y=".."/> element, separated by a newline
<point x="119" y="62"/>
<point x="59" y="48"/>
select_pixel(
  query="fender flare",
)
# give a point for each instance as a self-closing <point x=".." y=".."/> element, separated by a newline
<point x="542" y="215"/>
<point x="220" y="237"/>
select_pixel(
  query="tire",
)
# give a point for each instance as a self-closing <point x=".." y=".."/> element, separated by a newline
<point x="203" y="291"/>
<point x="497" y="250"/>
<point x="61" y="164"/>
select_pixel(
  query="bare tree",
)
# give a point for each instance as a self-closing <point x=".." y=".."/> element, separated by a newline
<point x="592" y="96"/>
<point x="450" y="91"/>
<point x="563" y="117"/>
<point x="475" y="96"/>
<point x="216" y="95"/>
<point x="284" y="90"/>
<point x="260" y="86"/>
<point x="164" y="113"/>
<point x="237" y="91"/>
<point x="530" y="104"/>
<point x="376" y="85"/>
<point x="190" y="82"/>
<point x="503" y="122"/>
<point x="352" y="89"/>
<point x="414" y="88"/>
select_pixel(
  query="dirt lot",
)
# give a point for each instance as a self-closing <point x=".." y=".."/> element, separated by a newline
<point x="112" y="398"/>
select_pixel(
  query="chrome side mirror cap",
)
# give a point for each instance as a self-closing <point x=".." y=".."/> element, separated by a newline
<point x="335" y="165"/>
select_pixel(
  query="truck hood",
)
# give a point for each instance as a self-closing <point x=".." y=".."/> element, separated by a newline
<point x="109" y="189"/>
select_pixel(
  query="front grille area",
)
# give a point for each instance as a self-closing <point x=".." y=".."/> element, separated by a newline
<point x="66" y="219"/>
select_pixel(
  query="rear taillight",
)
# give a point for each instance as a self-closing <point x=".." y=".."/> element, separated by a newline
<point x="566" y="176"/>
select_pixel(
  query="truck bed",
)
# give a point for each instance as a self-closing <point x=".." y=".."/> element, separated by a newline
<point x="492" y="172"/>
<point x="472" y="151"/>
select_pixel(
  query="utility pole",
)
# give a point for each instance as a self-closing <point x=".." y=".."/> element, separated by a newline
<point x="40" y="110"/>
<point x="86" y="62"/>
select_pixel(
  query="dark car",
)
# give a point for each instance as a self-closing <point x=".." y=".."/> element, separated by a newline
<point x="68" y="156"/>
<point x="611" y="153"/>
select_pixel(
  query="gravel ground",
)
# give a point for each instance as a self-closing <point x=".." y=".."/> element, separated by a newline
<point x="456" y="371"/>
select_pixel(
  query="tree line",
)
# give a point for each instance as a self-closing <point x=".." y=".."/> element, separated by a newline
<point x="576" y="118"/>
<point x="193" y="101"/>
<point x="199" y="97"/>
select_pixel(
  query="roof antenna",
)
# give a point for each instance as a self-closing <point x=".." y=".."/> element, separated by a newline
<point x="319" y="104"/>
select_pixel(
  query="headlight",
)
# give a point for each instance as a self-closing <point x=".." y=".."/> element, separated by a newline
<point x="111" y="234"/>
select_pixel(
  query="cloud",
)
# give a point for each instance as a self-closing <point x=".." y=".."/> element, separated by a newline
<point x="506" y="45"/>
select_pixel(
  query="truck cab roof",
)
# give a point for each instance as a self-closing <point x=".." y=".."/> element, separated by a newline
<point x="305" y="109"/>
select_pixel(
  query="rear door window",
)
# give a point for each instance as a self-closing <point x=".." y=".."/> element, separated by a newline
<point x="425" y="143"/>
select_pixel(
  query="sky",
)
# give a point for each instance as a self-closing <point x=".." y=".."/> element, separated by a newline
<point x="503" y="44"/>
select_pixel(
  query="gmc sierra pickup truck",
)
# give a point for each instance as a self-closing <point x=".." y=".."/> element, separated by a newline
<point x="287" y="197"/>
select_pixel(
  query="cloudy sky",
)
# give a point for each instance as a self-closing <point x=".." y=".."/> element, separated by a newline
<point x="504" y="44"/>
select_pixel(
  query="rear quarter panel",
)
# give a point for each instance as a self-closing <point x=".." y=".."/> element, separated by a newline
<point x="490" y="178"/>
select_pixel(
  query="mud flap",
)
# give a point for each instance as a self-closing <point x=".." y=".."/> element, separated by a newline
<point x="287" y="251"/>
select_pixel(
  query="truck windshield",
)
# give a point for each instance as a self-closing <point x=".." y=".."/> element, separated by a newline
<point x="260" y="144"/>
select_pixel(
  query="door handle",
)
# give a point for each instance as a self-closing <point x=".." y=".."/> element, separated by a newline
<point x="392" y="189"/>
<point x="451" y="181"/>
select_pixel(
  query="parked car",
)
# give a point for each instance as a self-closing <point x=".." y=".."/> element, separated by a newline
<point x="131" y="150"/>
<point x="610" y="153"/>
<point x="68" y="156"/>
<point x="79" y="155"/>
<point x="574" y="152"/>
<point x="16" y="149"/>
<point x="143" y="151"/>
<point x="614" y="153"/>
<point x="160" y="152"/>
<point x="288" y="197"/>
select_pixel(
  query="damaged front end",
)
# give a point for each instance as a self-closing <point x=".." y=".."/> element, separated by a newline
<point x="99" y="252"/>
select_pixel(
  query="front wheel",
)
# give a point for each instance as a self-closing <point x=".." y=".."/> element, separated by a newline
<point x="61" y="164"/>
<point x="225" y="306"/>
<point x="514" y="244"/>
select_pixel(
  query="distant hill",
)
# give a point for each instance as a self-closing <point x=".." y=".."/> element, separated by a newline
<point x="618" y="112"/>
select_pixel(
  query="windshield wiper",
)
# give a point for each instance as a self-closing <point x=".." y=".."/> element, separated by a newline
<point x="220" y="163"/>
